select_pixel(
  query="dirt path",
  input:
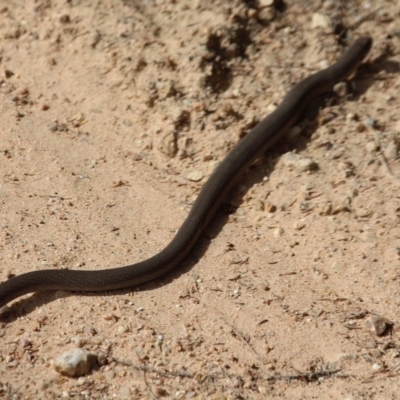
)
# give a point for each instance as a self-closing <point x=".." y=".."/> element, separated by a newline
<point x="114" y="113"/>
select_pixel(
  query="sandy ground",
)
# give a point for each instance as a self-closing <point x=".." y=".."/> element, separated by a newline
<point x="113" y="113"/>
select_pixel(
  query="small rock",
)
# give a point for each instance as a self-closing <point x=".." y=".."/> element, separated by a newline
<point x="166" y="89"/>
<point x="8" y="74"/>
<point x="122" y="329"/>
<point x="109" y="375"/>
<point x="265" y="13"/>
<point x="339" y="267"/>
<point x="341" y="205"/>
<point x="78" y="341"/>
<point x="195" y="176"/>
<point x="352" y="117"/>
<point x="260" y="206"/>
<point x="344" y="357"/>
<point x="125" y="392"/>
<point x="299" y="162"/>
<point x="391" y="150"/>
<point x="269" y="207"/>
<point x="325" y="208"/>
<point x="377" y="324"/>
<point x="320" y="21"/>
<point x="65" y="19"/>
<point x="77" y="120"/>
<point x="371" y="147"/>
<point x="329" y="5"/>
<point x="169" y="145"/>
<point x="370" y="123"/>
<point x="299" y="225"/>
<point x="341" y="89"/>
<point x="376" y="367"/>
<point x="252" y="13"/>
<point x="360" y="127"/>
<point x="80" y="382"/>
<point x="266" y="3"/>
<point x="75" y="362"/>
<point x="278" y="232"/>
<point x="364" y="213"/>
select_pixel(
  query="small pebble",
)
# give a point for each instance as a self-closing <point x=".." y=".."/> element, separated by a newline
<point x="269" y="207"/>
<point x="169" y="145"/>
<point x="109" y="375"/>
<point x="122" y="329"/>
<point x="125" y="392"/>
<point x="319" y="20"/>
<point x="364" y="213"/>
<point x="278" y="232"/>
<point x="370" y="122"/>
<point x="75" y="362"/>
<point x="266" y="3"/>
<point x="360" y="127"/>
<point x="371" y="147"/>
<point x="377" y="324"/>
<point x="195" y="176"/>
<point x="376" y="367"/>
<point x="259" y="206"/>
<point x="325" y="208"/>
<point x="341" y="205"/>
<point x="391" y="150"/>
<point x="299" y="162"/>
<point x="341" y="89"/>
<point x="65" y="19"/>
<point x="351" y="117"/>
<point x="299" y="225"/>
